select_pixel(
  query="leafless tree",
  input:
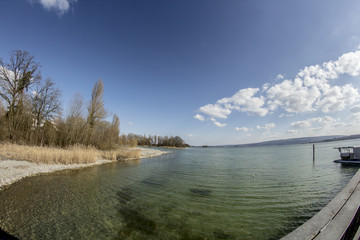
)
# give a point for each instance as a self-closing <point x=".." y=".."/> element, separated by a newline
<point x="96" y="109"/>
<point x="15" y="79"/>
<point x="75" y="123"/>
<point x="46" y="104"/>
<point x="3" y="129"/>
<point x="76" y="106"/>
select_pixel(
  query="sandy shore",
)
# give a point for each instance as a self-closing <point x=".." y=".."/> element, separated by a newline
<point x="149" y="152"/>
<point x="13" y="170"/>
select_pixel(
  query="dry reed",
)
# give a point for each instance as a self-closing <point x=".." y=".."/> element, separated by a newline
<point x="121" y="154"/>
<point x="73" y="155"/>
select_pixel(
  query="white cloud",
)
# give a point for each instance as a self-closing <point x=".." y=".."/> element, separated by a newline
<point x="292" y="131"/>
<point x="355" y="109"/>
<point x="348" y="63"/>
<point x="265" y="87"/>
<point x="219" y="124"/>
<point x="242" y="101"/>
<point x="59" y="6"/>
<point x="245" y="101"/>
<point x="280" y="76"/>
<point x="319" y="126"/>
<point x="301" y="124"/>
<point x="216" y="123"/>
<point x="311" y="90"/>
<point x="337" y="98"/>
<point x="319" y="122"/>
<point x="267" y="126"/>
<point x="286" y="115"/>
<point x="292" y="96"/>
<point x="130" y="123"/>
<point x="199" y="117"/>
<point x="191" y="135"/>
<point x="215" y="110"/>
<point x="243" y="129"/>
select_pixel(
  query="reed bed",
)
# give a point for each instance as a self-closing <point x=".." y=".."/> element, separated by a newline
<point x="121" y="154"/>
<point x="72" y="155"/>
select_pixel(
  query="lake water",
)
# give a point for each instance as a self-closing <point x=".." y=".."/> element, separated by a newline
<point x="196" y="193"/>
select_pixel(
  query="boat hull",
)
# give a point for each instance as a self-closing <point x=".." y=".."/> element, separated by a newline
<point x="348" y="162"/>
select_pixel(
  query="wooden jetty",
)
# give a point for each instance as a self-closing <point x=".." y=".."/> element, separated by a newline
<point x="340" y="219"/>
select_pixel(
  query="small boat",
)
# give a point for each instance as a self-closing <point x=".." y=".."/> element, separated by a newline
<point x="349" y="155"/>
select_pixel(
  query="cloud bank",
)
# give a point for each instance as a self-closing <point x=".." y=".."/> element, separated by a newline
<point x="311" y="90"/>
<point x="317" y="125"/>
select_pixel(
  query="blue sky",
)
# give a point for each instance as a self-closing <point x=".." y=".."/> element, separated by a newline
<point x="213" y="72"/>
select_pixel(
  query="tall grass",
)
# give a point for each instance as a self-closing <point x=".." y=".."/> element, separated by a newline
<point x="121" y="154"/>
<point x="73" y="155"/>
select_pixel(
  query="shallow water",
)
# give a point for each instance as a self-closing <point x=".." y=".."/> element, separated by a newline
<point x="196" y="193"/>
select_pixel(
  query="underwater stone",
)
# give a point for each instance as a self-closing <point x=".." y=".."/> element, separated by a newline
<point x="135" y="221"/>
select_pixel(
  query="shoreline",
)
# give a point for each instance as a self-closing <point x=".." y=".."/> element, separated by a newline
<point x="12" y="171"/>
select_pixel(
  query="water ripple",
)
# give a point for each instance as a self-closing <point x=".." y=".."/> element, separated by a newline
<point x="213" y="193"/>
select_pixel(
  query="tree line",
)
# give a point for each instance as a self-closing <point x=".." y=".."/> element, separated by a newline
<point x="31" y="112"/>
<point x="152" y="140"/>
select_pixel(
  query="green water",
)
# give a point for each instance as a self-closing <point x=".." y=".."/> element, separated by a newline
<point x="196" y="193"/>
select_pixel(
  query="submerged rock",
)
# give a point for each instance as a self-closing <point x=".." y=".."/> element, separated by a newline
<point x="135" y="221"/>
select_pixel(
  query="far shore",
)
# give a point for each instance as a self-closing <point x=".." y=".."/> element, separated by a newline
<point x="14" y="170"/>
<point x="166" y="147"/>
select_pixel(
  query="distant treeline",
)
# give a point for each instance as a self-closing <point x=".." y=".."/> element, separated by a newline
<point x="133" y="139"/>
<point x="31" y="112"/>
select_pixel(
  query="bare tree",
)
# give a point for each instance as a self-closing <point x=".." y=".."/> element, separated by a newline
<point x="76" y="106"/>
<point x="96" y="110"/>
<point x="15" y="78"/>
<point x="46" y="105"/>
<point x="3" y="129"/>
<point x="75" y="123"/>
<point x="114" y="132"/>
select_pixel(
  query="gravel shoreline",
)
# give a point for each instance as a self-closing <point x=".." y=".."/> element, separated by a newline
<point x="14" y="170"/>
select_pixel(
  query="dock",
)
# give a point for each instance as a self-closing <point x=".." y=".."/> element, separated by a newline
<point x="340" y="219"/>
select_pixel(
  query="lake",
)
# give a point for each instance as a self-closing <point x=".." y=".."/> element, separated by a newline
<point x="194" y="193"/>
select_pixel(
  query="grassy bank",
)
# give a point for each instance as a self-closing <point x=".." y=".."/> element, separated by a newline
<point x="72" y="155"/>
